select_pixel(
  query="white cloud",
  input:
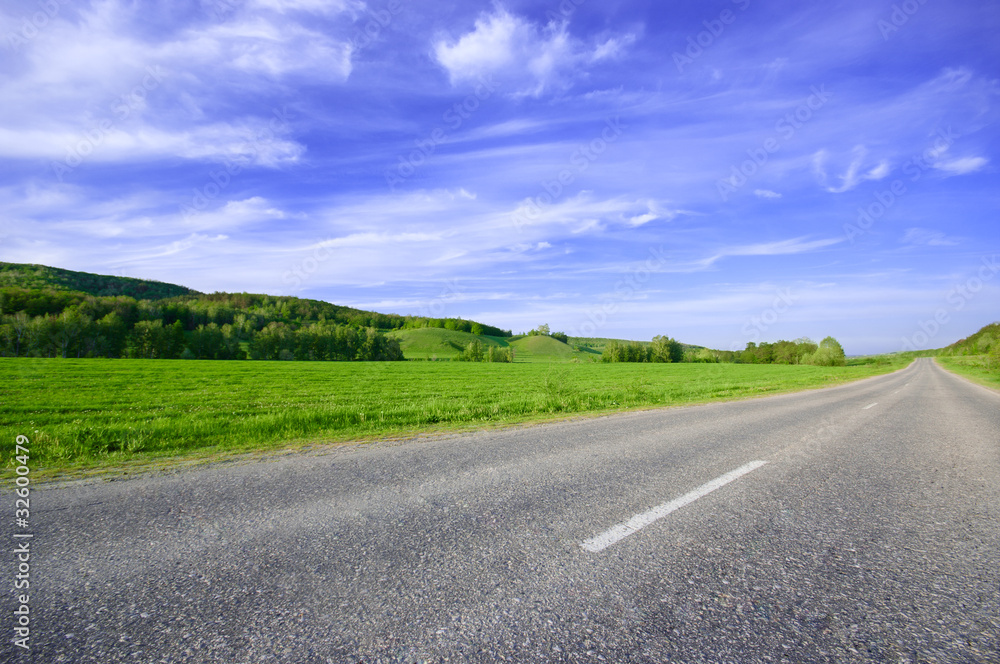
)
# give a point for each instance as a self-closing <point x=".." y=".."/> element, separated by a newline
<point x="96" y="84"/>
<point x="525" y="59"/>
<point x="261" y="46"/>
<point x="962" y="166"/>
<point x="245" y="142"/>
<point x="766" y="193"/>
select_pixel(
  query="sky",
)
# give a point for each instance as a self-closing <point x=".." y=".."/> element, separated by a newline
<point x="718" y="172"/>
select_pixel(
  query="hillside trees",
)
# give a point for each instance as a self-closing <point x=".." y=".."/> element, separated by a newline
<point x="829" y="354"/>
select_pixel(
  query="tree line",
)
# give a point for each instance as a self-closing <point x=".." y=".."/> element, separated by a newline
<point x="662" y="349"/>
<point x="255" y="310"/>
<point x="828" y="352"/>
<point x="49" y="322"/>
<point x="73" y="335"/>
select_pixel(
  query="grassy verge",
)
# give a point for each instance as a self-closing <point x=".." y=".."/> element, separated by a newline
<point x="972" y="367"/>
<point x="85" y="416"/>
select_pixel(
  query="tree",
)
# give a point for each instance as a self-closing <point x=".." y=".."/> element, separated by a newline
<point x="111" y="334"/>
<point x="705" y="355"/>
<point x="665" y="349"/>
<point x="20" y="325"/>
<point x="473" y="352"/>
<point x="829" y="354"/>
<point x="70" y="326"/>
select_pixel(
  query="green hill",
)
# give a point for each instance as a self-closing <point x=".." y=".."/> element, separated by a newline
<point x="425" y="343"/>
<point x="437" y="343"/>
<point x="22" y="275"/>
<point x="540" y="348"/>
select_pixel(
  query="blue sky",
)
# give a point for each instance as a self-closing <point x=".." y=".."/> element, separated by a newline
<point x="720" y="172"/>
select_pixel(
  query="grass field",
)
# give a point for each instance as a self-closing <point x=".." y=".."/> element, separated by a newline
<point x="95" y="414"/>
<point x="972" y="367"/>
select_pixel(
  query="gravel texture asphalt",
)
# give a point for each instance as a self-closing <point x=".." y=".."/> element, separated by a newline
<point x="872" y="534"/>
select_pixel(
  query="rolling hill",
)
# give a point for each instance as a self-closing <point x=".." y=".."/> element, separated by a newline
<point x="35" y="277"/>
<point x="441" y="344"/>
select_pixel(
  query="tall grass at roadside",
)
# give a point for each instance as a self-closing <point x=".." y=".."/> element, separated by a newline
<point x="981" y="368"/>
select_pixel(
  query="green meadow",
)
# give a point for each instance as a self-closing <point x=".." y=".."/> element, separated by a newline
<point x="100" y="415"/>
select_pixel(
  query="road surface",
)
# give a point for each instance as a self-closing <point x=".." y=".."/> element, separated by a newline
<point x="852" y="524"/>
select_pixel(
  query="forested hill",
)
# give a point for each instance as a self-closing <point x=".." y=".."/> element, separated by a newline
<point x="41" y="277"/>
<point x="45" y="313"/>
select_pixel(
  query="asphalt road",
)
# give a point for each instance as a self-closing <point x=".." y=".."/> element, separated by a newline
<point x="869" y="530"/>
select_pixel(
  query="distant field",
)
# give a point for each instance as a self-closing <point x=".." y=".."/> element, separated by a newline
<point x="972" y="366"/>
<point x="89" y="414"/>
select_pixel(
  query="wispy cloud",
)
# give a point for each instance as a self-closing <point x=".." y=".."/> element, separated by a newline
<point x="962" y="166"/>
<point x="854" y="173"/>
<point x="797" y="245"/>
